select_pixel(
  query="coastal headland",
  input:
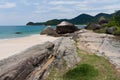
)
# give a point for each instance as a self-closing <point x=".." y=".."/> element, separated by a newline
<point x="32" y="54"/>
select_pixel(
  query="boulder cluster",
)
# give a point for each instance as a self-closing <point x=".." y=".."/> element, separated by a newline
<point x="100" y="26"/>
<point x="62" y="28"/>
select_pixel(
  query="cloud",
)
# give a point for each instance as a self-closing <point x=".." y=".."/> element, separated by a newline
<point x="82" y="5"/>
<point x="72" y="8"/>
<point x="67" y="2"/>
<point x="43" y="10"/>
<point x="7" y="5"/>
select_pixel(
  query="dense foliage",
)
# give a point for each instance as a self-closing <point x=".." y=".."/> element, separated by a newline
<point x="52" y="22"/>
<point x="32" y="23"/>
<point x="115" y="22"/>
<point x="81" y="19"/>
<point x="117" y="18"/>
<point x="105" y="24"/>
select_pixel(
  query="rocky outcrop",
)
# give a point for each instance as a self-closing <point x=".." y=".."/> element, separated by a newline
<point x="66" y="27"/>
<point x="93" y="26"/>
<point x="102" y="45"/>
<point x="18" y="67"/>
<point x="102" y="20"/>
<point x="18" y="32"/>
<point x="66" y="52"/>
<point x="66" y="55"/>
<point x="111" y="30"/>
<point x="24" y="65"/>
<point x="49" y="31"/>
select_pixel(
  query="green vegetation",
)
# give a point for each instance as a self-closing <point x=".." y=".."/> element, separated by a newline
<point x="104" y="68"/>
<point x="91" y="67"/>
<point x="82" y="72"/>
<point x="107" y="25"/>
<point x="116" y="18"/>
<point x="80" y="19"/>
<point x="52" y="22"/>
<point x="115" y="22"/>
<point x="35" y="24"/>
<point x="106" y="16"/>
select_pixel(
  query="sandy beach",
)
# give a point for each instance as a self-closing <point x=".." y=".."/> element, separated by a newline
<point x="10" y="47"/>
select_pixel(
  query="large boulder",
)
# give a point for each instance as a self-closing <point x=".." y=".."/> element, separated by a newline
<point x="49" y="31"/>
<point x="20" y="66"/>
<point x="102" y="20"/>
<point x="111" y="30"/>
<point x="67" y="53"/>
<point x="94" y="26"/>
<point x="66" y="27"/>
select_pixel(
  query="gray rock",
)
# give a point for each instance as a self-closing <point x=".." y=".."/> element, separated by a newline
<point x="111" y="30"/>
<point x="102" y="45"/>
<point x="49" y="31"/>
<point x="94" y="26"/>
<point x="66" y="27"/>
<point x="18" y="67"/>
<point x="18" y="32"/>
<point x="67" y="53"/>
<point x="22" y="66"/>
<point x="102" y="20"/>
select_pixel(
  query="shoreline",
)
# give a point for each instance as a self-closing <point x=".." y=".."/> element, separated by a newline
<point x="14" y="46"/>
<point x="18" y="37"/>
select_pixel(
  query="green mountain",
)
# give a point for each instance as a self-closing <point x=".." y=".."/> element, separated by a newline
<point x="106" y="16"/>
<point x="54" y="21"/>
<point x="81" y="19"/>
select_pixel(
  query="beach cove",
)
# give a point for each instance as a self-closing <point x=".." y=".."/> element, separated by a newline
<point x="13" y="46"/>
<point x="34" y="55"/>
<point x="31" y="54"/>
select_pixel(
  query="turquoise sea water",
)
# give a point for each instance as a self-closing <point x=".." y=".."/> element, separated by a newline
<point x="7" y="32"/>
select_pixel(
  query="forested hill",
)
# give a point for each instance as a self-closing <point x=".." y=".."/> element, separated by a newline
<point x="80" y="19"/>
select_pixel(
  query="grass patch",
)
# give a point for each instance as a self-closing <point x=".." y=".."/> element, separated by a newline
<point x="81" y="72"/>
<point x="91" y="67"/>
<point x="100" y="64"/>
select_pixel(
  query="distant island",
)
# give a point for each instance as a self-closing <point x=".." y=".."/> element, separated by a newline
<point x="81" y="19"/>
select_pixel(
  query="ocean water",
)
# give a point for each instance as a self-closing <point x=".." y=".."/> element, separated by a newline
<point x="7" y="32"/>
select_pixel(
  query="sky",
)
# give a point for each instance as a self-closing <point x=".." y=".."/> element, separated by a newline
<point x="19" y="12"/>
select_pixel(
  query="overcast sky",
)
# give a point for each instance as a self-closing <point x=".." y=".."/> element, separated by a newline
<point x="19" y="12"/>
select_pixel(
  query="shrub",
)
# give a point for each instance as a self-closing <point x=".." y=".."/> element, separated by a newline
<point x="117" y="17"/>
<point x="117" y="32"/>
<point x="111" y="23"/>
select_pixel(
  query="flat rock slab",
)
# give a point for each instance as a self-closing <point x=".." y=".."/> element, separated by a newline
<point x="101" y="44"/>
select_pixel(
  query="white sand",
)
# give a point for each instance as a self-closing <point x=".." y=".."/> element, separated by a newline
<point x="13" y="46"/>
